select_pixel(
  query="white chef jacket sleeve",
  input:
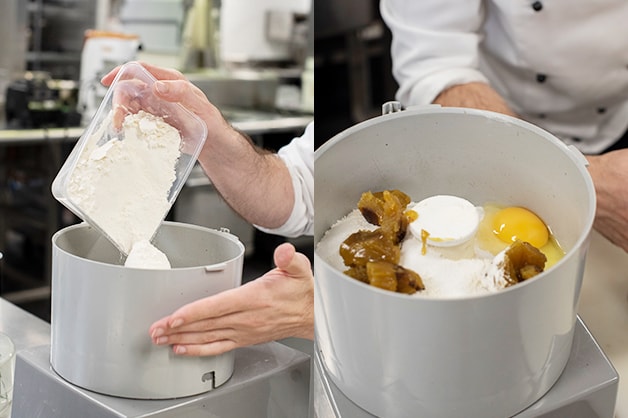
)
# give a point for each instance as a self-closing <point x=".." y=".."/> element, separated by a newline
<point x="434" y="45"/>
<point x="299" y="158"/>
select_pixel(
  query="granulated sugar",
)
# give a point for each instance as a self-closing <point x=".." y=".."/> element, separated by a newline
<point x="443" y="272"/>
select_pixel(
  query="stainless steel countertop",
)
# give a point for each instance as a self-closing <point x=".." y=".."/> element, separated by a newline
<point x="25" y="329"/>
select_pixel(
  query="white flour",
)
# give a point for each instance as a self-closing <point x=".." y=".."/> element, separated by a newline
<point x="123" y="185"/>
<point x="145" y="255"/>
<point x="443" y="277"/>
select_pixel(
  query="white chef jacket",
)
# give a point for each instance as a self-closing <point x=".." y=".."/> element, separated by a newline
<point x="560" y="64"/>
<point x="299" y="158"/>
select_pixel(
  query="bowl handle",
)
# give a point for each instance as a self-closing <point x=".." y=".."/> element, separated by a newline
<point x="215" y="267"/>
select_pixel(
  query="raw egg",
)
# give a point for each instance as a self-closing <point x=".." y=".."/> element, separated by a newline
<point x="517" y="223"/>
<point x="488" y="240"/>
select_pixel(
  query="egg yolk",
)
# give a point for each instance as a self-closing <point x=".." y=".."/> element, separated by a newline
<point x="516" y="223"/>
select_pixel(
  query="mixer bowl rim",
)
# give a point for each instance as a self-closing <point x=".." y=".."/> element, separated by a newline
<point x="227" y="235"/>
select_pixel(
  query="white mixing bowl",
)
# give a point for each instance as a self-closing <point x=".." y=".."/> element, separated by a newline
<point x="101" y="310"/>
<point x="397" y="355"/>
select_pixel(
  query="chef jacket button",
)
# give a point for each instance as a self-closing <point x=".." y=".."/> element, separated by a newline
<point x="541" y="78"/>
<point x="601" y="110"/>
<point x="542" y="115"/>
<point x="576" y="139"/>
<point x="537" y="6"/>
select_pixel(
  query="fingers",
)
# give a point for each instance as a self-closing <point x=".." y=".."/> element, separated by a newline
<point x="161" y="73"/>
<point x="171" y="85"/>
<point x="227" y="302"/>
<point x="200" y="337"/>
<point x="182" y="91"/>
<point x="215" y="306"/>
<point x="214" y="336"/>
<point x="108" y="78"/>
<point x="158" y="72"/>
<point x="209" y="349"/>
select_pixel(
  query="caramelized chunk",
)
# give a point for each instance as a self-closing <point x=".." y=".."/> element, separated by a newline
<point x="372" y="256"/>
<point x="387" y="210"/>
<point x="393" y="277"/>
<point x="403" y="198"/>
<point x="364" y="246"/>
<point x="372" y="208"/>
<point x="523" y="261"/>
<point x="408" y="281"/>
<point x="382" y="274"/>
<point x="358" y="273"/>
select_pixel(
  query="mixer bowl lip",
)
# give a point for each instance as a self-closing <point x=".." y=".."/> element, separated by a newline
<point x="227" y="235"/>
<point x="499" y="117"/>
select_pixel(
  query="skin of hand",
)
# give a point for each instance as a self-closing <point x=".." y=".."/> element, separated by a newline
<point x="254" y="182"/>
<point x="257" y="185"/>
<point x="475" y="95"/>
<point x="277" y="305"/>
<point x="608" y="171"/>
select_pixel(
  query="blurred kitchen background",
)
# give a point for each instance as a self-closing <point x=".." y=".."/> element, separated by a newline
<point x="253" y="59"/>
<point x="352" y="64"/>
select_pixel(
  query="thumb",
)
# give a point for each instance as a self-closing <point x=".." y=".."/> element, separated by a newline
<point x="287" y="259"/>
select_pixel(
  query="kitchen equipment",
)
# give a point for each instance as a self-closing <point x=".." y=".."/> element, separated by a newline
<point x="587" y="388"/>
<point x="37" y="100"/>
<point x="102" y="52"/>
<point x="271" y="30"/>
<point x="101" y="311"/>
<point x="487" y="356"/>
<point x="158" y="23"/>
<point x="14" y="35"/>
<point x="269" y="380"/>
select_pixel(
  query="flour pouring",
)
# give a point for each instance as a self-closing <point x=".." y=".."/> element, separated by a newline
<point x="127" y="169"/>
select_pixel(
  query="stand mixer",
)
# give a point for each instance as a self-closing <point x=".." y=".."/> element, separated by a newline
<point x="102" y="52"/>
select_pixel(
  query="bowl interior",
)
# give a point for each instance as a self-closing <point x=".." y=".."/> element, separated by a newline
<point x="480" y="156"/>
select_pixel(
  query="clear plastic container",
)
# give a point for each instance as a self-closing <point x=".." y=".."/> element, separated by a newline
<point x="130" y="94"/>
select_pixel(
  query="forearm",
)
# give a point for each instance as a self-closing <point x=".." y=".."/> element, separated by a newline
<point x="474" y="95"/>
<point x="254" y="182"/>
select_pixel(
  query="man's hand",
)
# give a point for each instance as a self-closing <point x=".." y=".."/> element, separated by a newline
<point x="277" y="305"/>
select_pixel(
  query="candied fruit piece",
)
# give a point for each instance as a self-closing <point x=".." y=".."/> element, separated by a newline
<point x="358" y="273"/>
<point x="404" y="199"/>
<point x="372" y="208"/>
<point x="386" y="209"/>
<point x="381" y="274"/>
<point x="408" y="281"/>
<point x="523" y="261"/>
<point x="364" y="246"/>
<point x="372" y="256"/>
<point x="393" y="277"/>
